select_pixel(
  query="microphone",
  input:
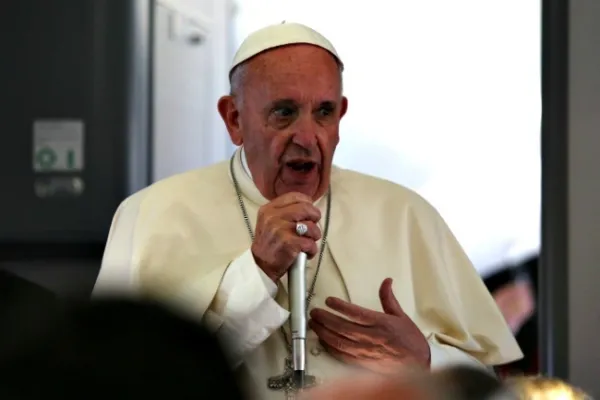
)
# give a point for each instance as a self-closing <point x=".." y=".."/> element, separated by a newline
<point x="297" y="299"/>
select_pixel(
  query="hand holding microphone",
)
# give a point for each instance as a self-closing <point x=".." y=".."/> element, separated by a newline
<point x="285" y="238"/>
<point x="276" y="243"/>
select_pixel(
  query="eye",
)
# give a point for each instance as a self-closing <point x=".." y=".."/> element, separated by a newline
<point x="325" y="110"/>
<point x="283" y="112"/>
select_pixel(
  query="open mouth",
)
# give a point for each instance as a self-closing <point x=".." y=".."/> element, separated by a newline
<point x="301" y="166"/>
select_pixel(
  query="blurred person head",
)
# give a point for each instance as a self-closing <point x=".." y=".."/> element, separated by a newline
<point x="453" y="383"/>
<point x="118" y="349"/>
<point x="285" y="108"/>
<point x="543" y="388"/>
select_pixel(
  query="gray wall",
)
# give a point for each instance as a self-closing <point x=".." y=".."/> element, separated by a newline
<point x="584" y="195"/>
<point x="182" y="77"/>
<point x="188" y="79"/>
<point x="570" y="273"/>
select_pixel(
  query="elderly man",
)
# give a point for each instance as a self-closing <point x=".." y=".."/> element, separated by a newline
<point x="388" y="285"/>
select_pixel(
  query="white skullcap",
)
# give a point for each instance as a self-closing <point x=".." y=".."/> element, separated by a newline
<point x="279" y="35"/>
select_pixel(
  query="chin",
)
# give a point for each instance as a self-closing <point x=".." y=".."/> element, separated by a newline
<point x="309" y="189"/>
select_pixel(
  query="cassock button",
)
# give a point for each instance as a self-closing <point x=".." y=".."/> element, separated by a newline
<point x="315" y="351"/>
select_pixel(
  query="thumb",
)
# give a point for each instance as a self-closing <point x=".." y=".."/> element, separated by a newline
<point x="389" y="302"/>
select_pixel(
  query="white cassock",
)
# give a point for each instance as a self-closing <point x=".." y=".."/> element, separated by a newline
<point x="184" y="239"/>
<point x="491" y="204"/>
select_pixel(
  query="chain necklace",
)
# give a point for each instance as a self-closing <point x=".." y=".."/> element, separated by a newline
<point x="284" y="381"/>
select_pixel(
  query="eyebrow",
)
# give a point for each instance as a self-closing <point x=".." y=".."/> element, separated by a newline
<point x="329" y="103"/>
<point x="282" y="103"/>
<point x="279" y="103"/>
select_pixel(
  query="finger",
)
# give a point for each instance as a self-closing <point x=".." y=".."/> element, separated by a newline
<point x="358" y="314"/>
<point x="368" y="362"/>
<point x="303" y="244"/>
<point x="338" y="342"/>
<point x="289" y="199"/>
<point x="300" y="212"/>
<point x="389" y="303"/>
<point x="340" y="355"/>
<point x="313" y="232"/>
<point x="309" y="247"/>
<point x="372" y="363"/>
<point x="342" y="326"/>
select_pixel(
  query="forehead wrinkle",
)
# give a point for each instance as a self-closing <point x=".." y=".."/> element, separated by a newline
<point x="290" y="68"/>
<point x="300" y="94"/>
<point x="291" y="87"/>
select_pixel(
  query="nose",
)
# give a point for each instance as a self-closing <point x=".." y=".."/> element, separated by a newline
<point x="305" y="134"/>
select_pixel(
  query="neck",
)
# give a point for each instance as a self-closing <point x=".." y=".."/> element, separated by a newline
<point x="245" y="163"/>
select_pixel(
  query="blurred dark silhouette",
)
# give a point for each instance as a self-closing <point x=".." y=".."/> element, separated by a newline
<point x="450" y="383"/>
<point x="118" y="349"/>
<point x="527" y="336"/>
<point x="470" y="383"/>
<point x="25" y="308"/>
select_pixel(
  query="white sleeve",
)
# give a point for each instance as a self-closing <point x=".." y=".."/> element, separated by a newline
<point x="443" y="355"/>
<point x="245" y="307"/>
<point x="243" y="313"/>
<point x="118" y="274"/>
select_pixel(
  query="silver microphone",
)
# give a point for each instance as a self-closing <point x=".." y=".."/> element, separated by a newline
<point x="297" y="299"/>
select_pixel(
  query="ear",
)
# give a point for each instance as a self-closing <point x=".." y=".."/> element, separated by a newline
<point x="231" y="116"/>
<point x="343" y="107"/>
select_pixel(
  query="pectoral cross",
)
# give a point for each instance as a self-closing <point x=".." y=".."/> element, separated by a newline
<point x="285" y="381"/>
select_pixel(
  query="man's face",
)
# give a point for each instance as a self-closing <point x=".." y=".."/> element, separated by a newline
<point x="287" y="116"/>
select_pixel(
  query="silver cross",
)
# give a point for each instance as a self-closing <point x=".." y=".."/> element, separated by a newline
<point x="285" y="381"/>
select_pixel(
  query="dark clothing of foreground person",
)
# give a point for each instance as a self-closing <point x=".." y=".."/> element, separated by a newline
<point x="118" y="349"/>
